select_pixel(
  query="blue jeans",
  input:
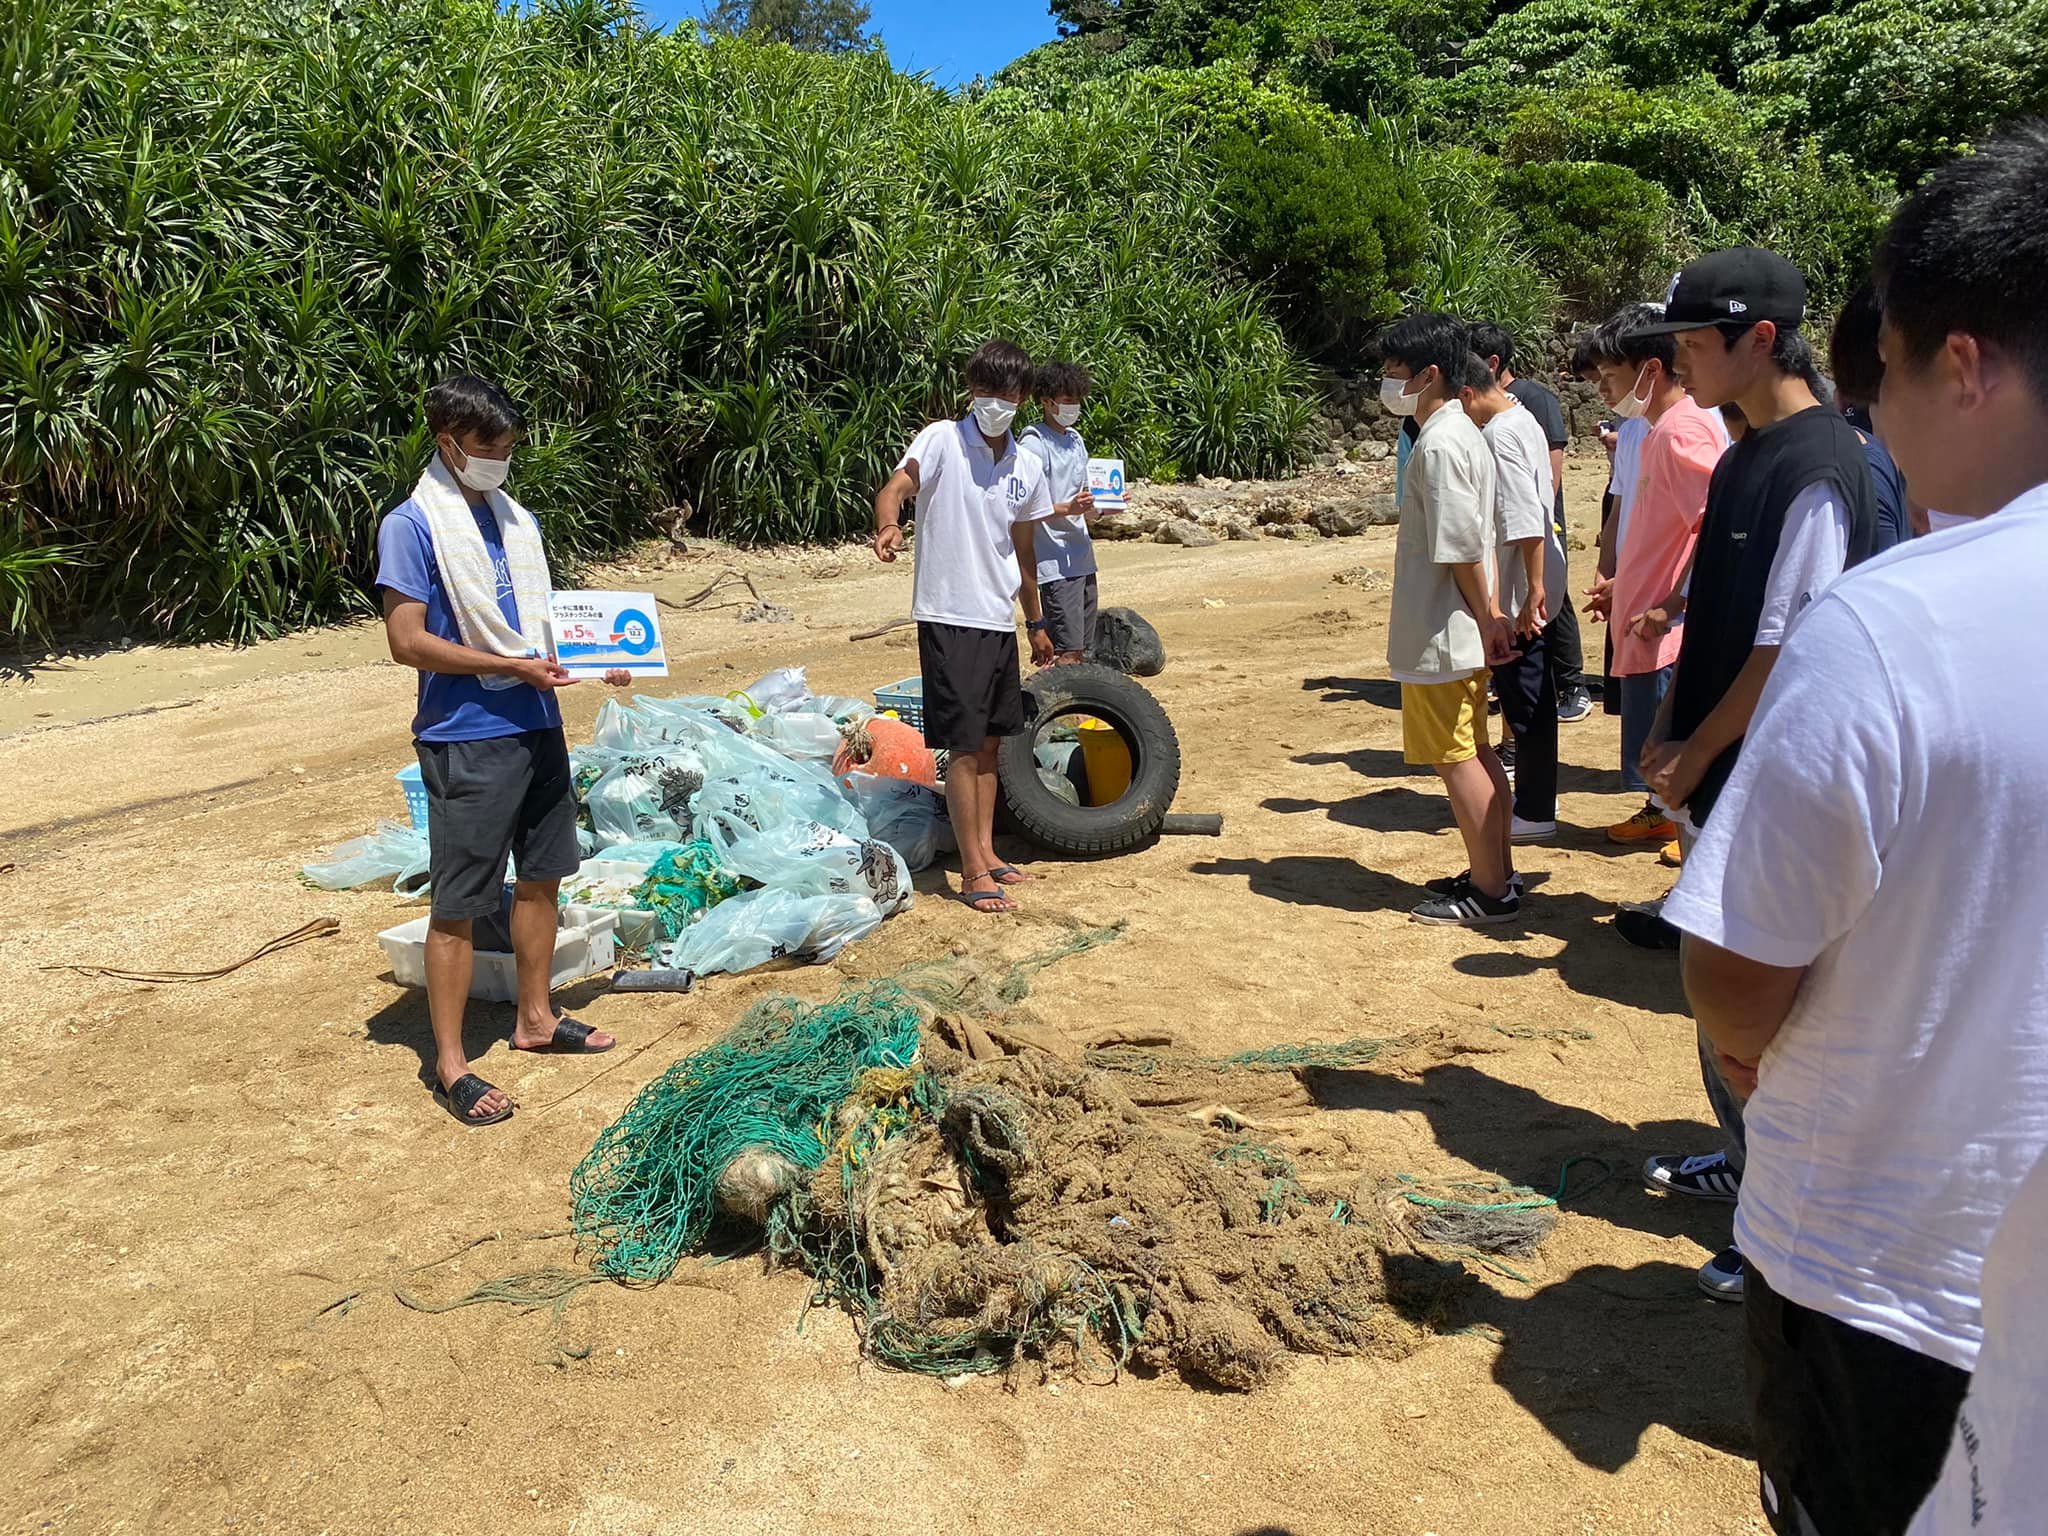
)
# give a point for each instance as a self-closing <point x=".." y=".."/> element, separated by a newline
<point x="1641" y="697"/>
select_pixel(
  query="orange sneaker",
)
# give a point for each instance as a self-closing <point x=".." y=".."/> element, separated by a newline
<point x="1649" y="825"/>
<point x="1673" y="856"/>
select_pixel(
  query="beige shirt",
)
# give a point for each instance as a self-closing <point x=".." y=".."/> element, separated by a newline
<point x="1447" y="506"/>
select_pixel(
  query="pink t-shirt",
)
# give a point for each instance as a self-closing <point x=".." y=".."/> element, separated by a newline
<point x="1678" y="460"/>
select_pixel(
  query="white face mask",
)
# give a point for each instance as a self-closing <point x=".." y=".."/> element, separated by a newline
<point x="1633" y="405"/>
<point x="993" y="416"/>
<point x="1394" y="396"/>
<point x="1064" y="416"/>
<point x="483" y="474"/>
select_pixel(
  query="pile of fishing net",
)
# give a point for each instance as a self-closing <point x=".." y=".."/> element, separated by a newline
<point x="726" y="832"/>
<point x="972" y="1215"/>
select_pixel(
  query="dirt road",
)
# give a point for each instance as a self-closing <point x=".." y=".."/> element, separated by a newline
<point x="189" y="1174"/>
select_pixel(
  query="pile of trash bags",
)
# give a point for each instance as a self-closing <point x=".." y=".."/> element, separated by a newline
<point x="719" y="831"/>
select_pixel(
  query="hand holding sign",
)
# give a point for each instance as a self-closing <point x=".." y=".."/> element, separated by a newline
<point x="1106" y="484"/>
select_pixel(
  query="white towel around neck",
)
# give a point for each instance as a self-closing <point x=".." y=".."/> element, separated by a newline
<point x="471" y="578"/>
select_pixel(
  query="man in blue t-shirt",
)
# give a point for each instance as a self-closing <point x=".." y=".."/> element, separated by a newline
<point x="488" y="731"/>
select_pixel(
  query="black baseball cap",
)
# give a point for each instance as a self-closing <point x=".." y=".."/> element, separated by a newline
<point x="1733" y="287"/>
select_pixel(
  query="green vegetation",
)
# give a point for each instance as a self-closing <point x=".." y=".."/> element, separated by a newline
<point x="238" y="241"/>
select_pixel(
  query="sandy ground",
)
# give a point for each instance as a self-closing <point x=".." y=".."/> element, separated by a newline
<point x="189" y="1174"/>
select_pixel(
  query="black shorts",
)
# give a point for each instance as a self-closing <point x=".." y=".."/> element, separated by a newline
<point x="507" y="795"/>
<point x="972" y="689"/>
<point x="1850" y="1429"/>
<point x="1069" y="612"/>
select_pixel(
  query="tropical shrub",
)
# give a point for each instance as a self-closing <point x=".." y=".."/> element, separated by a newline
<point x="236" y="247"/>
<point x="1602" y="232"/>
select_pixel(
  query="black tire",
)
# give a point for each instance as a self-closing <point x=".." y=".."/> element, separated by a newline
<point x="1091" y="831"/>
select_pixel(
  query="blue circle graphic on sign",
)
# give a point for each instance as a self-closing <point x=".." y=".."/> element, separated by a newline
<point x="1116" y="482"/>
<point x="633" y="632"/>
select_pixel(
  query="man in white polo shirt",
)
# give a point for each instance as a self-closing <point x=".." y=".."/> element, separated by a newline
<point x="1876" y="982"/>
<point x="977" y="499"/>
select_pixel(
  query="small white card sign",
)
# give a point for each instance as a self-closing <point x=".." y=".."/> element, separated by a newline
<point x="594" y="632"/>
<point x="1106" y="484"/>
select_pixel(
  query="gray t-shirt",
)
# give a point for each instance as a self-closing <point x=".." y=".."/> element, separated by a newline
<point x="1447" y="518"/>
<point x="1522" y="504"/>
<point x="1063" y="545"/>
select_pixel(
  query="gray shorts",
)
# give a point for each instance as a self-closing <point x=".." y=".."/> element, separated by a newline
<point x="487" y="800"/>
<point x="1069" y="611"/>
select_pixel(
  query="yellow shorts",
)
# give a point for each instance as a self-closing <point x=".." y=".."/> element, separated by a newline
<point x="1441" y="722"/>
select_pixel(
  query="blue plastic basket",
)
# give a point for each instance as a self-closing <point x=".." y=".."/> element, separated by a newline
<point x="906" y="699"/>
<point x="415" y="796"/>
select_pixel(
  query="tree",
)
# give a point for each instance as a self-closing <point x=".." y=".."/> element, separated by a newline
<point x="1902" y="84"/>
<point x="816" y="26"/>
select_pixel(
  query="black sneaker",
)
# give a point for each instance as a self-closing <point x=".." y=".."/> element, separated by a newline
<point x="1506" y="753"/>
<point x="1705" y="1175"/>
<point x="1574" y="707"/>
<point x="1469" y="907"/>
<point x="1645" y="929"/>
<point x="1722" y="1276"/>
<point x="1450" y="885"/>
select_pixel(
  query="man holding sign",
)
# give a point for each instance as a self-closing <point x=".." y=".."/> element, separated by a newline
<point x="466" y="591"/>
<point x="1066" y="554"/>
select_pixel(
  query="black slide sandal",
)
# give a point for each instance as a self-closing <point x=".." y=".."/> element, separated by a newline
<point x="464" y="1094"/>
<point x="570" y="1039"/>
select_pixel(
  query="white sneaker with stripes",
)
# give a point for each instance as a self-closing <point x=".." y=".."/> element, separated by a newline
<point x="1706" y="1176"/>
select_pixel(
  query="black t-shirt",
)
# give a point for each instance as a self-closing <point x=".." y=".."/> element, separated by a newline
<point x="1543" y="405"/>
<point x="1754" y="485"/>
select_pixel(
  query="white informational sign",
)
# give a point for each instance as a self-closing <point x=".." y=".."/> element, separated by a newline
<point x="594" y="632"/>
<point x="1106" y="484"/>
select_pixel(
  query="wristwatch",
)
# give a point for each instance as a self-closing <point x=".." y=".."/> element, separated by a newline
<point x="1034" y="624"/>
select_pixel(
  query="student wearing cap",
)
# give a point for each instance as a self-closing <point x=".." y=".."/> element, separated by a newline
<point x="1788" y="509"/>
<point x="1877" y="984"/>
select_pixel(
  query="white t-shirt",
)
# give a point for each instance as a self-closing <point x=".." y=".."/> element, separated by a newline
<point x="1995" y="1481"/>
<point x="1523" y="499"/>
<point x="1064" y="547"/>
<point x="1813" y="549"/>
<point x="1629" y="436"/>
<point x="968" y="501"/>
<point x="1906" y="1094"/>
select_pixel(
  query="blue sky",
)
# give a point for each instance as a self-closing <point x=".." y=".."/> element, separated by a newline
<point x="952" y="40"/>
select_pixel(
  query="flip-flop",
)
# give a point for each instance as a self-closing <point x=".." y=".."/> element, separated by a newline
<point x="570" y="1039"/>
<point x="978" y="901"/>
<point x="1009" y="874"/>
<point x="464" y="1094"/>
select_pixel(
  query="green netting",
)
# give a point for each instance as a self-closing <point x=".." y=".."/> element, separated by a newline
<point x="645" y="1193"/>
<point x="684" y="884"/>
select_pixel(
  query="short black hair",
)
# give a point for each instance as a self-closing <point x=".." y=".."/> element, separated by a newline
<point x="1852" y="349"/>
<point x="1491" y="339"/>
<point x="1624" y="321"/>
<point x="1790" y="351"/>
<point x="1429" y="339"/>
<point x="1479" y="374"/>
<point x="1000" y="368"/>
<point x="1957" y="253"/>
<point x="466" y="402"/>
<point x="1056" y="379"/>
<point x="1638" y="347"/>
<point x="1585" y="344"/>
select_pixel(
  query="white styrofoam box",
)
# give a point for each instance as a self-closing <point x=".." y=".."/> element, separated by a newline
<point x="635" y="927"/>
<point x="582" y="949"/>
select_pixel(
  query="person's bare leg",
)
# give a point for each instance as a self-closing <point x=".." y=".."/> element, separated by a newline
<point x="1476" y="803"/>
<point x="971" y="829"/>
<point x="985" y="771"/>
<point x="535" y="920"/>
<point x="451" y="960"/>
<point x="1498" y="772"/>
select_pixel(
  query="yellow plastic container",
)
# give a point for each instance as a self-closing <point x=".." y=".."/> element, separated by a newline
<point x="1108" y="761"/>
